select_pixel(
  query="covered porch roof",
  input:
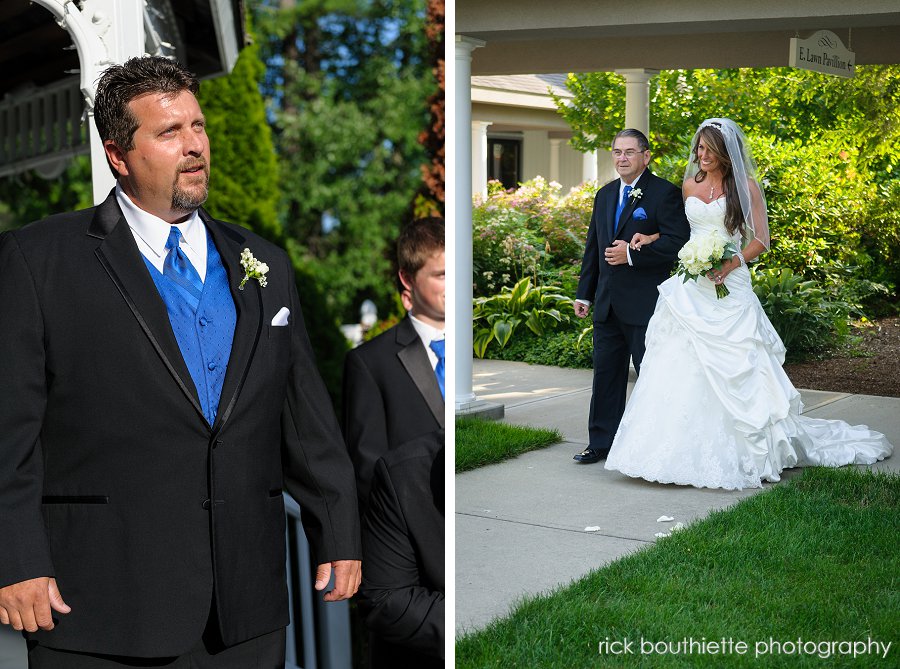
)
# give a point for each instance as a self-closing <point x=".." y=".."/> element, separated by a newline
<point x="535" y="37"/>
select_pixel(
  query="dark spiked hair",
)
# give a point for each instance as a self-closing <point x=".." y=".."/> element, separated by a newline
<point x="120" y="84"/>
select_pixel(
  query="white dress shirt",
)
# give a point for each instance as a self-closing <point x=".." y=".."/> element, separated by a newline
<point x="151" y="233"/>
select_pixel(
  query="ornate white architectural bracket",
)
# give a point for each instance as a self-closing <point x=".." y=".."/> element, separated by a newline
<point x="87" y="29"/>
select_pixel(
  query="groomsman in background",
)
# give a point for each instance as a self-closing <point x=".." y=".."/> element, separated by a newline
<point x="394" y="384"/>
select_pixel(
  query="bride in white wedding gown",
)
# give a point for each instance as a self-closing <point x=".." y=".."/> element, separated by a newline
<point x="713" y="407"/>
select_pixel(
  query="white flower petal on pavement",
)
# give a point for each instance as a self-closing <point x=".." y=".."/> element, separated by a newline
<point x="660" y="535"/>
<point x="664" y="519"/>
<point x="592" y="528"/>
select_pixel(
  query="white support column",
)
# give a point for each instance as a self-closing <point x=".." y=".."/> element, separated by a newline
<point x="589" y="166"/>
<point x="461" y="221"/>
<point x="120" y="24"/>
<point x="103" y="32"/>
<point x="554" y="159"/>
<point x="637" y="98"/>
<point x="479" y="158"/>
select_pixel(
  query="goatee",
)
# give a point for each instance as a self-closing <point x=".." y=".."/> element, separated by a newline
<point x="189" y="199"/>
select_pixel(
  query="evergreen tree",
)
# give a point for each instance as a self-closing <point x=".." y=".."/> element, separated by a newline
<point x="244" y="189"/>
<point x="244" y="168"/>
<point x="347" y="81"/>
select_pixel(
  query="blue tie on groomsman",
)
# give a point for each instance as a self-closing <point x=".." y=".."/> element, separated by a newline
<point x="437" y="346"/>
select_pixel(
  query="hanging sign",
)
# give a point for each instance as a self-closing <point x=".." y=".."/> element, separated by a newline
<point x="823" y="52"/>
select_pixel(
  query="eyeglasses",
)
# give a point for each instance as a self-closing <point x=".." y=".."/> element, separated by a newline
<point x="630" y="153"/>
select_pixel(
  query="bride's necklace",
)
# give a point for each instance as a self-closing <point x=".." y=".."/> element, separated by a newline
<point x="712" y="192"/>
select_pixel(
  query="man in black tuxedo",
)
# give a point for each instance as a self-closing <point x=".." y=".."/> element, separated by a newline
<point x="622" y="282"/>
<point x="393" y="384"/>
<point x="160" y="392"/>
<point x="402" y="592"/>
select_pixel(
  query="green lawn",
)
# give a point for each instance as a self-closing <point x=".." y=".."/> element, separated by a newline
<point x="484" y="442"/>
<point x="816" y="559"/>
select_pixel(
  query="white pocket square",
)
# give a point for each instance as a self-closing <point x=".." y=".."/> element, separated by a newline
<point x="281" y="318"/>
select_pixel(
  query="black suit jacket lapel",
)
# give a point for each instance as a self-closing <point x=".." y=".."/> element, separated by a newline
<point x="124" y="264"/>
<point x="247" y="302"/>
<point x="611" y="205"/>
<point x="415" y="360"/>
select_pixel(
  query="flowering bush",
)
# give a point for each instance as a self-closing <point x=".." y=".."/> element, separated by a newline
<point x="532" y="231"/>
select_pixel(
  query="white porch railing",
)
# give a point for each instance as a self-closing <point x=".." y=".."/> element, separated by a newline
<point x="42" y="127"/>
<point x="322" y="640"/>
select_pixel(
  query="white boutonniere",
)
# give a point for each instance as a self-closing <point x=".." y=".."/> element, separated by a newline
<point x="636" y="194"/>
<point x="253" y="269"/>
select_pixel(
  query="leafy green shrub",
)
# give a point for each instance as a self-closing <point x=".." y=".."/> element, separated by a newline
<point x="880" y="236"/>
<point x="817" y="200"/>
<point x="556" y="349"/>
<point x="496" y="318"/>
<point x="808" y="319"/>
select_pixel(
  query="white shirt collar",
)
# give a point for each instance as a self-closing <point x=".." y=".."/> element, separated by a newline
<point x="622" y="183"/>
<point x="426" y="332"/>
<point x="154" y="231"/>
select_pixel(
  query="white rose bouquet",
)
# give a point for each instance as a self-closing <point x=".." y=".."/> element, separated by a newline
<point x="702" y="254"/>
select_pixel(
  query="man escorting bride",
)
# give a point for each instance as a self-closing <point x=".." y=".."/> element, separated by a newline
<point x="712" y="406"/>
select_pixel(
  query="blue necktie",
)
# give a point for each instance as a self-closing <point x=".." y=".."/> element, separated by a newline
<point x="179" y="269"/>
<point x="621" y="206"/>
<point x="437" y="345"/>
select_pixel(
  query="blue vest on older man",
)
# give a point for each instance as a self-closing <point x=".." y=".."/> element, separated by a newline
<point x="203" y="319"/>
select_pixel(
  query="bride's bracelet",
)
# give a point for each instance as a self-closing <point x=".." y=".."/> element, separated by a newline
<point x="740" y="257"/>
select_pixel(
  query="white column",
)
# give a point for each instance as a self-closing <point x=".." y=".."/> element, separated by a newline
<point x="554" y="159"/>
<point x="637" y="98"/>
<point x="103" y="32"/>
<point x="120" y="24"/>
<point x="461" y="220"/>
<point x="589" y="166"/>
<point x="479" y="158"/>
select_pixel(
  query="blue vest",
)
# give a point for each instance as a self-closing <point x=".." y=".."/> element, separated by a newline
<point x="205" y="336"/>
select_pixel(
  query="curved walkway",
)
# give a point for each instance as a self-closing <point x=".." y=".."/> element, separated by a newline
<point x="520" y="524"/>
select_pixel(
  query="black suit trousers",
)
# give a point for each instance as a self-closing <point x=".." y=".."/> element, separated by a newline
<point x="263" y="652"/>
<point x="615" y="343"/>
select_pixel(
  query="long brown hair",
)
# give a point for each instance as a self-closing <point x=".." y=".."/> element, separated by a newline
<point x="715" y="144"/>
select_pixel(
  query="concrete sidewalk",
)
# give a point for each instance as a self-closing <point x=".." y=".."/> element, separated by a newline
<point x="520" y="524"/>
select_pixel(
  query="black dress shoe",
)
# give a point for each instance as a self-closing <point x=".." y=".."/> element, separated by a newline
<point x="589" y="455"/>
